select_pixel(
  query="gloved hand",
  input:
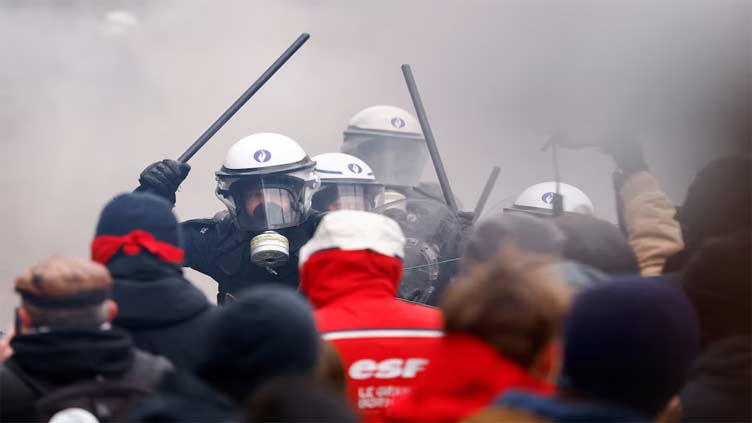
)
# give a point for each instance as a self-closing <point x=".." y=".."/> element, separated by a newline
<point x="163" y="178"/>
<point x="627" y="153"/>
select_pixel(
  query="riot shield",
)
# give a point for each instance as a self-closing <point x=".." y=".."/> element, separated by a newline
<point x="432" y="247"/>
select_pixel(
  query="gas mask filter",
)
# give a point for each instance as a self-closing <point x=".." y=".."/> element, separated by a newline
<point x="270" y="249"/>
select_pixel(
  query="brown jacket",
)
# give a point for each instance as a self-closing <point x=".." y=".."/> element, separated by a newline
<point x="653" y="233"/>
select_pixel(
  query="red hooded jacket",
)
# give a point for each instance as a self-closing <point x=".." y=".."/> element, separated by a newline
<point x="384" y="342"/>
<point x="465" y="375"/>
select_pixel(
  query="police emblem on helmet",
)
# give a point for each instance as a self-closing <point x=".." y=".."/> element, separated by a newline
<point x="548" y="197"/>
<point x="354" y="168"/>
<point x="262" y="156"/>
<point x="398" y="123"/>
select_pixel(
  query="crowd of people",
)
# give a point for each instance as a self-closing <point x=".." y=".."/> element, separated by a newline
<point x="550" y="317"/>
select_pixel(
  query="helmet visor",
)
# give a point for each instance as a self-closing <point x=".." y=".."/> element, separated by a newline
<point x="266" y="202"/>
<point x="394" y="160"/>
<point x="348" y="196"/>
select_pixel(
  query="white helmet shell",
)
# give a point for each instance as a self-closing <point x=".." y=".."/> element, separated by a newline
<point x="385" y="119"/>
<point x="263" y="150"/>
<point x="340" y="166"/>
<point x="541" y="196"/>
<point x="276" y="167"/>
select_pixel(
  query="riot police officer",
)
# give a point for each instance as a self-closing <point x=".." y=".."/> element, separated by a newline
<point x="391" y="140"/>
<point x="266" y="183"/>
<point x="538" y="199"/>
<point x="347" y="183"/>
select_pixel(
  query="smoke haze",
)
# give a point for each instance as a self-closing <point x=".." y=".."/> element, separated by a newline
<point x="92" y="92"/>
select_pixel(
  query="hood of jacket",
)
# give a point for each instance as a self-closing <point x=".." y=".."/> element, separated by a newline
<point x="332" y="275"/>
<point x="560" y="410"/>
<point x="151" y="293"/>
<point x="465" y="375"/>
<point x="66" y="356"/>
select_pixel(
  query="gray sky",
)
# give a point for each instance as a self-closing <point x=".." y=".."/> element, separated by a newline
<point x="89" y="97"/>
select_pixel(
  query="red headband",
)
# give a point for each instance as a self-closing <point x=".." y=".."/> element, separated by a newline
<point x="105" y="246"/>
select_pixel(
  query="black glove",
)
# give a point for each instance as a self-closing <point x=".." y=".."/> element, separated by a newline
<point x="627" y="153"/>
<point x="163" y="178"/>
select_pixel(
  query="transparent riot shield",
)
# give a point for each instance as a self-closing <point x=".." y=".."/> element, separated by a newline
<point x="432" y="247"/>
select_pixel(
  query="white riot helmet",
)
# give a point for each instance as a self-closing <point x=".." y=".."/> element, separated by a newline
<point x="391" y="141"/>
<point x="347" y="183"/>
<point x="539" y="199"/>
<point x="266" y="182"/>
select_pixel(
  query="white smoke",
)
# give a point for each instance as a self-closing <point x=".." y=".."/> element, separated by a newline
<point x="92" y="92"/>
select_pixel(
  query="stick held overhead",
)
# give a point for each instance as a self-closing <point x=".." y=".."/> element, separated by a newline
<point x="430" y="140"/>
<point x="490" y="183"/>
<point x="240" y="102"/>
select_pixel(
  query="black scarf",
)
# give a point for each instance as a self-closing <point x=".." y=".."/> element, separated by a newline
<point x="69" y="355"/>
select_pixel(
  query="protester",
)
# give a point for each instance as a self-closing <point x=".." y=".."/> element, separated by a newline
<point x="139" y="240"/>
<point x="718" y="203"/>
<point x="628" y="347"/>
<point x="267" y="332"/>
<point x="501" y="324"/>
<point x="645" y="211"/>
<point x="718" y="282"/>
<point x="526" y="232"/>
<point x="350" y="271"/>
<point x="596" y="243"/>
<point x="66" y="354"/>
<point x="531" y="234"/>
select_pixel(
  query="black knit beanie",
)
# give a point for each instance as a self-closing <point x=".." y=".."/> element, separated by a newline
<point x="140" y="211"/>
<point x="630" y="342"/>
<point x="268" y="331"/>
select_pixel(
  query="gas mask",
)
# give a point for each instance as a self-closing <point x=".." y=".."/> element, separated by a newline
<point x="270" y="249"/>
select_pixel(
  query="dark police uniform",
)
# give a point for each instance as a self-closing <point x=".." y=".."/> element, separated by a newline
<point x="215" y="247"/>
